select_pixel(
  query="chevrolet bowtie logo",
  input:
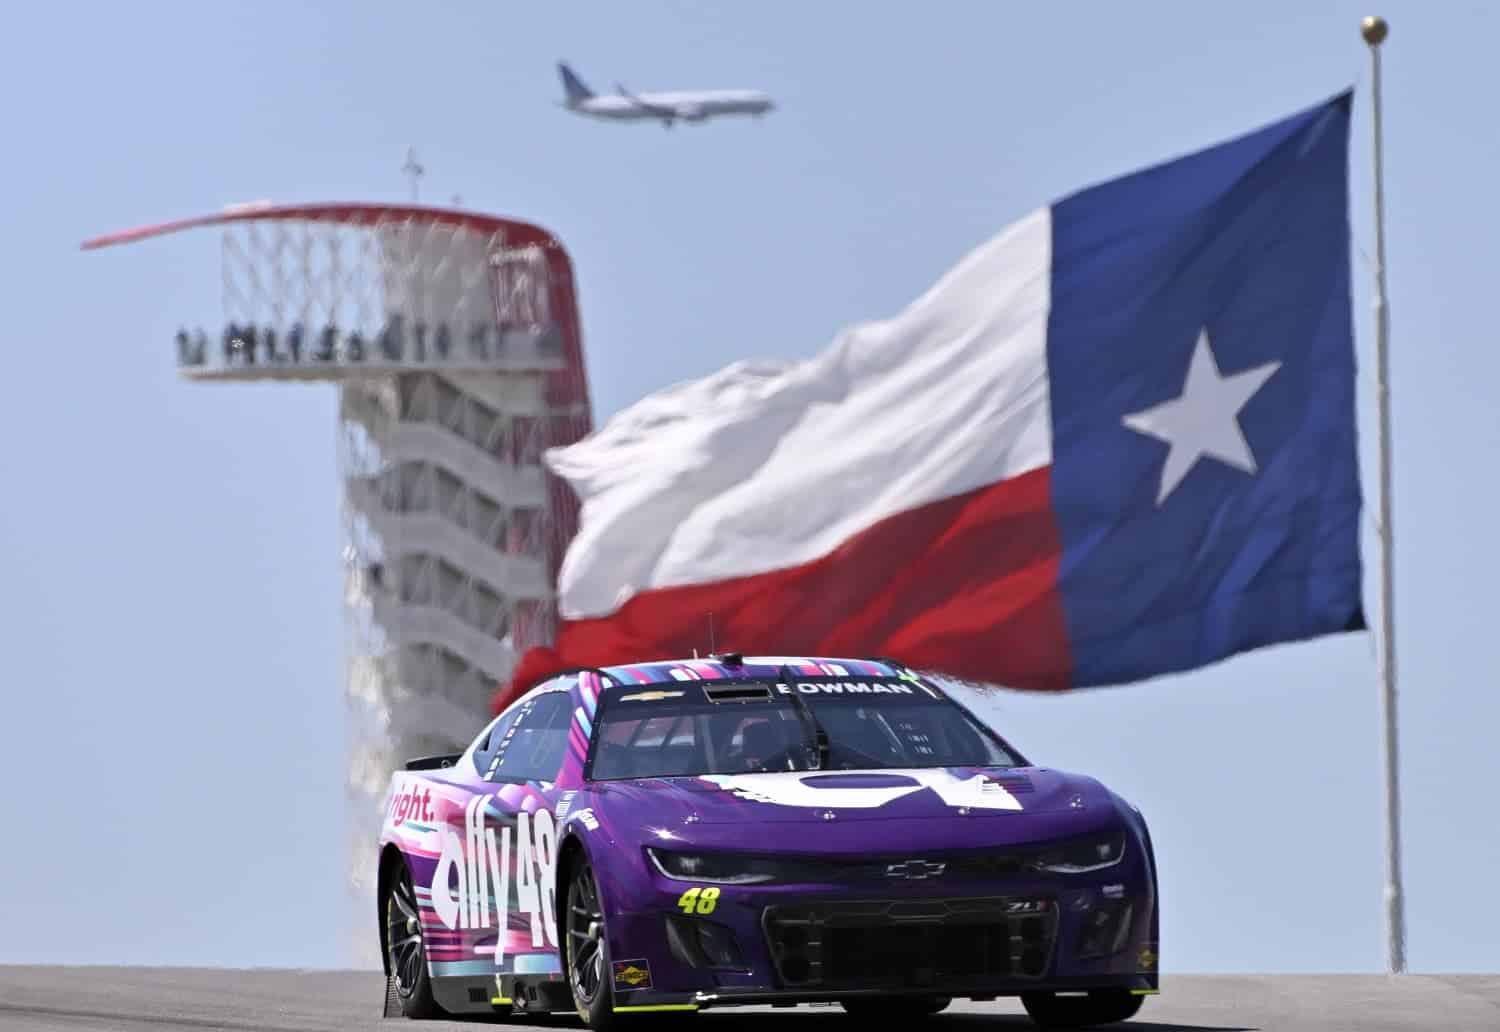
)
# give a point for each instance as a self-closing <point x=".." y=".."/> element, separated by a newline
<point x="915" y="870"/>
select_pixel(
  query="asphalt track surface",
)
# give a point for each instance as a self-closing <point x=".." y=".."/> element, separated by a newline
<point x="45" y="999"/>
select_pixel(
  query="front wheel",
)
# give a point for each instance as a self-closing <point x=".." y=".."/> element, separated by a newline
<point x="406" y="950"/>
<point x="587" y="951"/>
<point x="896" y="1008"/>
<point x="1098" y="1007"/>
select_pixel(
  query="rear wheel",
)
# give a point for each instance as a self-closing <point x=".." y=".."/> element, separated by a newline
<point x="896" y="1008"/>
<point x="405" y="949"/>
<point x="1098" y="1007"/>
<point x="587" y="951"/>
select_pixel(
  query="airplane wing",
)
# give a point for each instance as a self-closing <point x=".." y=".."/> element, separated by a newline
<point x="656" y="109"/>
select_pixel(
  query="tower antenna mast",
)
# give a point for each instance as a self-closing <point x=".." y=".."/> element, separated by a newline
<point x="414" y="171"/>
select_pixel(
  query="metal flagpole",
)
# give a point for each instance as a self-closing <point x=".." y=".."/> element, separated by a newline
<point x="1374" y="30"/>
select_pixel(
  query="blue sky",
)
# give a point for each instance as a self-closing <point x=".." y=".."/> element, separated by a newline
<point x="173" y="726"/>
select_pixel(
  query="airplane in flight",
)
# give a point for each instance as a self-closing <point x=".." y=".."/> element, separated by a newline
<point x="667" y="108"/>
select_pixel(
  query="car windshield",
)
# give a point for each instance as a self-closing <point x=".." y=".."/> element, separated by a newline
<point x="687" y="729"/>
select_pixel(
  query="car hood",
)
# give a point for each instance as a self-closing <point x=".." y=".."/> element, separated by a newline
<point x="818" y="797"/>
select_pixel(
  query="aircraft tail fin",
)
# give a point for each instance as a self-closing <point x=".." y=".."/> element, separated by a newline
<point x="572" y="84"/>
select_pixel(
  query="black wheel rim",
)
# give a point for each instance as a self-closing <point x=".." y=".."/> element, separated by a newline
<point x="403" y="935"/>
<point x="585" y="937"/>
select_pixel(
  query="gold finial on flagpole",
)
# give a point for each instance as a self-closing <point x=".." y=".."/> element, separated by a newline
<point x="1374" y="29"/>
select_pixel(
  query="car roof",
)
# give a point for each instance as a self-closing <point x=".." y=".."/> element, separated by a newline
<point x="722" y="666"/>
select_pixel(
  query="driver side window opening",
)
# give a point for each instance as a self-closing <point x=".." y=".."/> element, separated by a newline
<point x="532" y="745"/>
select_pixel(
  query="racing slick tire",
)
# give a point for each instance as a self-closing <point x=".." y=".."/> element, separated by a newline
<point x="1099" y="1007"/>
<point x="406" y="948"/>
<point x="586" y="950"/>
<point x="896" y="1008"/>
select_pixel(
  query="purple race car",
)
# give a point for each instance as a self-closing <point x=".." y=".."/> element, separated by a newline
<point x="758" y="830"/>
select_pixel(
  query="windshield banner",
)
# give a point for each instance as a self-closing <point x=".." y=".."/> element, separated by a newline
<point x="853" y="686"/>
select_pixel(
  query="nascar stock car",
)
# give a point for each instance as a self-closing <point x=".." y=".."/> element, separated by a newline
<point x="677" y="836"/>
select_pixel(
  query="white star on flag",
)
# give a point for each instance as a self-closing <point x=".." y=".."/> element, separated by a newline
<point x="1203" y="419"/>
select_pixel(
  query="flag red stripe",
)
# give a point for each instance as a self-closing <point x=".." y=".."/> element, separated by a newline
<point x="967" y="584"/>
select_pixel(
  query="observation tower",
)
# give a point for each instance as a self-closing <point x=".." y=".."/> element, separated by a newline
<point x="453" y="339"/>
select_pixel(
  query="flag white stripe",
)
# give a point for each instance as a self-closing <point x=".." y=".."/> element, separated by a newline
<point x="764" y="466"/>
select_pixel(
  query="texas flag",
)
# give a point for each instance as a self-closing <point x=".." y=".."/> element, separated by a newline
<point x="1115" y="441"/>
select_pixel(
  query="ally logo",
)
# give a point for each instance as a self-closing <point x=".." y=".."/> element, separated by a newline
<point x="473" y="877"/>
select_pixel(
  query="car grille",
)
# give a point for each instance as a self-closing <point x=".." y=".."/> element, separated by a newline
<point x="989" y="865"/>
<point x="911" y="943"/>
<point x="994" y="864"/>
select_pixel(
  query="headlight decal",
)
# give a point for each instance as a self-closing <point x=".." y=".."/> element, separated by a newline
<point x="1082" y="855"/>
<point x="710" y="867"/>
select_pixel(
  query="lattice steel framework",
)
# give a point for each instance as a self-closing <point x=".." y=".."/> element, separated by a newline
<point x="454" y="340"/>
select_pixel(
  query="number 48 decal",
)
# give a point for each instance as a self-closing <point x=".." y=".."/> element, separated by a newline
<point x="699" y="901"/>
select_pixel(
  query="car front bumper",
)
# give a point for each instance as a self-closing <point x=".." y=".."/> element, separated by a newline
<point x="810" y="944"/>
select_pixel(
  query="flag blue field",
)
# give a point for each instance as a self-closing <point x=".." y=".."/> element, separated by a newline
<point x="1201" y="357"/>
